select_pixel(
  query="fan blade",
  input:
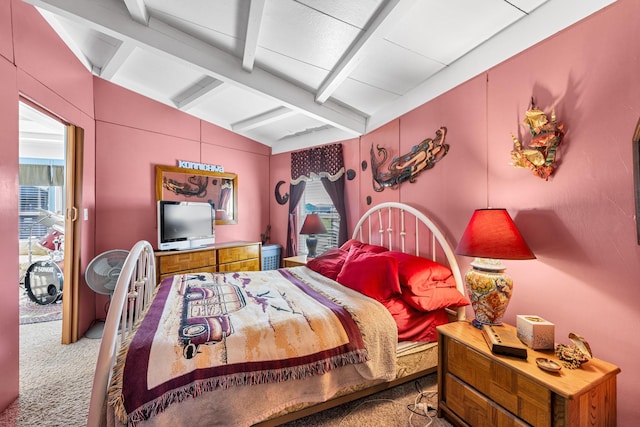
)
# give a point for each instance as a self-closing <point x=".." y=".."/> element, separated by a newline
<point x="102" y="273"/>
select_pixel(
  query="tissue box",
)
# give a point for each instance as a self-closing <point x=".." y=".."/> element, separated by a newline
<point x="535" y="332"/>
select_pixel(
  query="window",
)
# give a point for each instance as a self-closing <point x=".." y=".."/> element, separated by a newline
<point x="44" y="192"/>
<point x="316" y="200"/>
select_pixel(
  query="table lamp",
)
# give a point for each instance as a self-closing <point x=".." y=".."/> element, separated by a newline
<point x="490" y="237"/>
<point x="312" y="225"/>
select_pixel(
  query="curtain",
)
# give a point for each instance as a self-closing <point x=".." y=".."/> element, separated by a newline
<point x="327" y="163"/>
<point x="295" y="194"/>
<point x="57" y="176"/>
<point x="41" y="175"/>
<point x="335" y="189"/>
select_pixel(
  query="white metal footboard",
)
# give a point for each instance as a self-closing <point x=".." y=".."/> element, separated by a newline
<point x="133" y="292"/>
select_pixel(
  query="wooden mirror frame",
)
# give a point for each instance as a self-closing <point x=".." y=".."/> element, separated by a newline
<point x="184" y="175"/>
<point x="636" y="175"/>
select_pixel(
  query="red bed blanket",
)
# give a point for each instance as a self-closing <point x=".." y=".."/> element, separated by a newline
<point x="207" y="332"/>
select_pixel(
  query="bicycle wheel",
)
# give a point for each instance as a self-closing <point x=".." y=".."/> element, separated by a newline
<point x="43" y="282"/>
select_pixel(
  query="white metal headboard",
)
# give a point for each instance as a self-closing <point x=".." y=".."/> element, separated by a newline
<point x="385" y="213"/>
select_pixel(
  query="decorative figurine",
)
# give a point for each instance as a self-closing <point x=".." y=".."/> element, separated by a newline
<point x="407" y="167"/>
<point x="575" y="355"/>
<point x="540" y="155"/>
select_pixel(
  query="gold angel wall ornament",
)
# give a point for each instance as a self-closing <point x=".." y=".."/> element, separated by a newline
<point x="546" y="136"/>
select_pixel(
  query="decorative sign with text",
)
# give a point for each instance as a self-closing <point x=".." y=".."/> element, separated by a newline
<point x="200" y="166"/>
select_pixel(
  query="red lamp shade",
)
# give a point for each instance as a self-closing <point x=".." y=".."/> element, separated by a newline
<point x="491" y="233"/>
<point x="313" y="225"/>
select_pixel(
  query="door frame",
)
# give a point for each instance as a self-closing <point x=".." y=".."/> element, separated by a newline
<point x="74" y="150"/>
<point x="74" y="161"/>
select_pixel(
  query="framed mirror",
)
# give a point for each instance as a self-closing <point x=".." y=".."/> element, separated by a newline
<point x="220" y="189"/>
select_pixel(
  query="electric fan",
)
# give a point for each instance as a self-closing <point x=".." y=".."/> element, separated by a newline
<point x="101" y="276"/>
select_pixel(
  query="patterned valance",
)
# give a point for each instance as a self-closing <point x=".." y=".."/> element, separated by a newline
<point x="324" y="161"/>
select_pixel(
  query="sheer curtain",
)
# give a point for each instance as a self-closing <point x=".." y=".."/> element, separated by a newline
<point x="327" y="163"/>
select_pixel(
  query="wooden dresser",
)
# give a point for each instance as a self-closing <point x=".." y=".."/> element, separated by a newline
<point x="479" y="388"/>
<point x="229" y="256"/>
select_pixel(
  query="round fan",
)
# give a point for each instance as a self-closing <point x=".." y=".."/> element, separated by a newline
<point x="103" y="271"/>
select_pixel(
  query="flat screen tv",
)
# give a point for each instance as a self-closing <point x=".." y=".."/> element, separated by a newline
<point x="185" y="225"/>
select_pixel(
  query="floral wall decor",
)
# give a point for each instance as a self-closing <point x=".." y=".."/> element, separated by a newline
<point x="546" y="136"/>
<point x="407" y="167"/>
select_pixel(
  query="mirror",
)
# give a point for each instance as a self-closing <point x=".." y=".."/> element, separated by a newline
<point x="217" y="188"/>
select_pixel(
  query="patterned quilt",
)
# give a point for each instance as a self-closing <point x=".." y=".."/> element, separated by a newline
<point x="207" y="332"/>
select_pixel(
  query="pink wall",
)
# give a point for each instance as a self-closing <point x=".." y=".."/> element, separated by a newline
<point x="35" y="65"/>
<point x="581" y="222"/>
<point x="8" y="209"/>
<point x="133" y="135"/>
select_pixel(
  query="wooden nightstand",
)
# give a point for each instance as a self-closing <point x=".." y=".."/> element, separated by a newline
<point x="479" y="388"/>
<point x="294" y="261"/>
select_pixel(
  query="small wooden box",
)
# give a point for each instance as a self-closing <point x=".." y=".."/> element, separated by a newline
<point x="535" y="332"/>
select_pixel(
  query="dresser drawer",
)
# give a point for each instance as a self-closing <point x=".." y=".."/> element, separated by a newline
<point x="208" y="269"/>
<point x="475" y="408"/>
<point x="246" y="265"/>
<point x="238" y="253"/>
<point x="191" y="261"/>
<point x="499" y="383"/>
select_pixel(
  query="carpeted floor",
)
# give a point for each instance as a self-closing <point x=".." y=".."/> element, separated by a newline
<point x="55" y="385"/>
<point x="55" y="379"/>
<point x="390" y="408"/>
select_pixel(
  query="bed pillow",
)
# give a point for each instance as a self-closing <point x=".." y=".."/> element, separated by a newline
<point x="440" y="295"/>
<point x="329" y="263"/>
<point x="416" y="272"/>
<point x="364" y="246"/>
<point x="370" y="274"/>
<point x="426" y="285"/>
<point x="415" y="325"/>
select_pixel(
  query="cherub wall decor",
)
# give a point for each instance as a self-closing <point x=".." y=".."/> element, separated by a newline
<point x="546" y="136"/>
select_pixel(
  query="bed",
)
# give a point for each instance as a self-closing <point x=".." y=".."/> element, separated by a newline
<point x="264" y="348"/>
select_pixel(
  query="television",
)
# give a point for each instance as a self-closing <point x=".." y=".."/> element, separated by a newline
<point x="185" y="225"/>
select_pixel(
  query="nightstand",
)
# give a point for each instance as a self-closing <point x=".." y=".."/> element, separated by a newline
<point x="294" y="261"/>
<point x="479" y="388"/>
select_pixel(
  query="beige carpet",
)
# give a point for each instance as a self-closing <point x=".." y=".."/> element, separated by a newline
<point x="55" y="385"/>
<point x="390" y="408"/>
<point x="55" y="379"/>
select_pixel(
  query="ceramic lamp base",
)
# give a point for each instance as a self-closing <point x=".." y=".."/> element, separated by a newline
<point x="312" y="244"/>
<point x="489" y="290"/>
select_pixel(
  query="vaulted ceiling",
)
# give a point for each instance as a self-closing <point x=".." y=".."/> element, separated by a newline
<point x="296" y="73"/>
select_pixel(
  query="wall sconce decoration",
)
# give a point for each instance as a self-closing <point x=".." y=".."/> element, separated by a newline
<point x="282" y="200"/>
<point x="546" y="136"/>
<point x="407" y="167"/>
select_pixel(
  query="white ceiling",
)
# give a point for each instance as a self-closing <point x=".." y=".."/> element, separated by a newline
<point x="296" y="73"/>
<point x="41" y="137"/>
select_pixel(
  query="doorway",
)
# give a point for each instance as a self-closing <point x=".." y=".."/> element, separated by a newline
<point x="50" y="169"/>
<point x="41" y="207"/>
